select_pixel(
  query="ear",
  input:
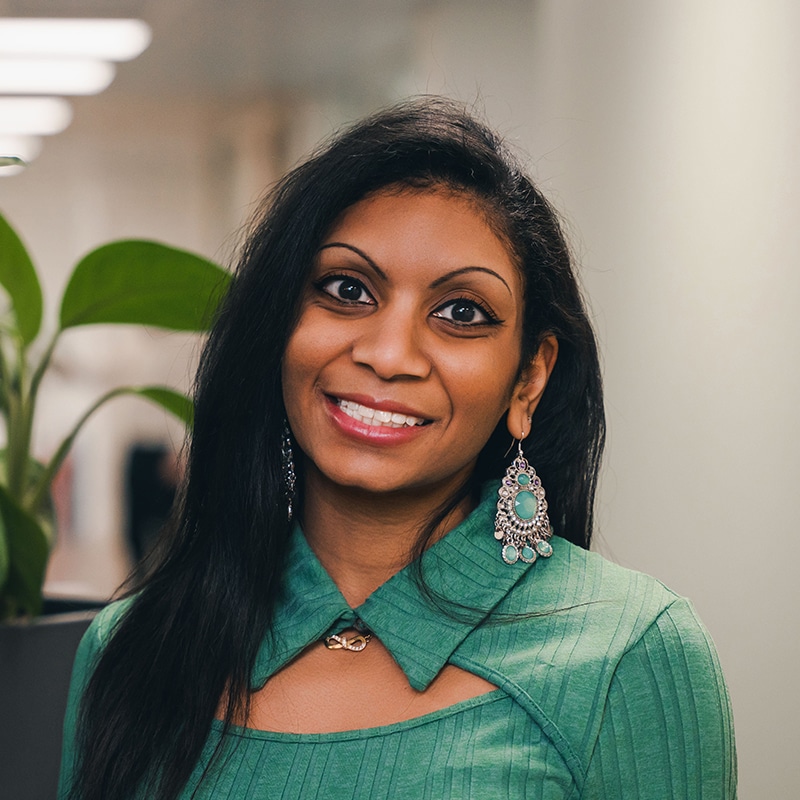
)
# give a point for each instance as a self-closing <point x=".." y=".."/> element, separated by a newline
<point x="528" y="391"/>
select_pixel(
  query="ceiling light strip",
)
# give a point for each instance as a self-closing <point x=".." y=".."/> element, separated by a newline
<point x="61" y="76"/>
<point x="110" y="39"/>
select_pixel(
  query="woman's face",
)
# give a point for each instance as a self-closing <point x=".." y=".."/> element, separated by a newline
<point x="407" y="348"/>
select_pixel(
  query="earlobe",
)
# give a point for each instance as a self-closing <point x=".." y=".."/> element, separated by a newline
<point x="528" y="391"/>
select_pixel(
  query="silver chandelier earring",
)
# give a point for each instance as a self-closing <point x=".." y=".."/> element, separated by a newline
<point x="287" y="463"/>
<point x="521" y="523"/>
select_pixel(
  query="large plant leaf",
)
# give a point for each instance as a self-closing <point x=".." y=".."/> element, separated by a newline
<point x="44" y="512"/>
<point x="174" y="402"/>
<point x="3" y="556"/>
<point x="18" y="278"/>
<point x="28" y="549"/>
<point x="144" y="283"/>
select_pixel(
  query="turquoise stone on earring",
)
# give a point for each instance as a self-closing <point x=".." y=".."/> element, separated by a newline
<point x="527" y="554"/>
<point x="510" y="554"/>
<point x="523" y="479"/>
<point x="525" y="505"/>
<point x="544" y="549"/>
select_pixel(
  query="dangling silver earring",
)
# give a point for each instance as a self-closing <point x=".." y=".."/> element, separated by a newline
<point x="287" y="463"/>
<point x="521" y="522"/>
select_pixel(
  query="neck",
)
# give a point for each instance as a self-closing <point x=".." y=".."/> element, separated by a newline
<point x="362" y="538"/>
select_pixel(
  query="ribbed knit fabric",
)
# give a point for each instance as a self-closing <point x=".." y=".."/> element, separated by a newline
<point x="608" y="686"/>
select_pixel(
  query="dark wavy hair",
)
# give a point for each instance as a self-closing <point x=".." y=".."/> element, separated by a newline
<point x="188" y="642"/>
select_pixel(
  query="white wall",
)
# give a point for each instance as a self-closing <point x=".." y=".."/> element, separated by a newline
<point x="668" y="132"/>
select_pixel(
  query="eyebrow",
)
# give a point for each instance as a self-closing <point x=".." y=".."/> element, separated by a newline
<point x="456" y="272"/>
<point x="437" y="282"/>
<point x="358" y="253"/>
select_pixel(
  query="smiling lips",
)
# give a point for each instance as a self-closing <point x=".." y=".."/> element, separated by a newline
<point x="377" y="418"/>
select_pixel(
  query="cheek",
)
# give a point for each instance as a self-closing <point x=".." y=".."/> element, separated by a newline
<point x="313" y="346"/>
<point x="306" y="344"/>
<point x="297" y="367"/>
<point x="481" y="388"/>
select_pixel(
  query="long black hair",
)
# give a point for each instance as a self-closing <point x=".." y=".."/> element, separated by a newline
<point x="187" y="644"/>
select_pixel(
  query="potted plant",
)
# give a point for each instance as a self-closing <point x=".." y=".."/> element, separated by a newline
<point x="126" y="282"/>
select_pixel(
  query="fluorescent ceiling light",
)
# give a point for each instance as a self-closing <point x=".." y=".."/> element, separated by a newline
<point x="16" y="152"/>
<point x="113" y="39"/>
<point x="24" y="147"/>
<point x="39" y="116"/>
<point x="9" y="167"/>
<point x="54" y="75"/>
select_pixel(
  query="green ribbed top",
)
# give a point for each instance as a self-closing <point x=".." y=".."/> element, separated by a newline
<point x="608" y="686"/>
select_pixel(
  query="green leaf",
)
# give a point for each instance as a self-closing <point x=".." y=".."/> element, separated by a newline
<point x="18" y="278"/>
<point x="3" y="555"/>
<point x="144" y="283"/>
<point x="174" y="402"/>
<point x="11" y="161"/>
<point x="28" y="550"/>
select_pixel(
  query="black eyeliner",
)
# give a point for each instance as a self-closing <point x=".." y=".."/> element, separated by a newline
<point x="491" y="317"/>
<point x="319" y="285"/>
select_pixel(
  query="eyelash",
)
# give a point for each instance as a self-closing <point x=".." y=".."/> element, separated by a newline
<point x="490" y="319"/>
<point x="325" y="285"/>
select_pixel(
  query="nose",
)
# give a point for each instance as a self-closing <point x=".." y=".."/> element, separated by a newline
<point x="391" y="345"/>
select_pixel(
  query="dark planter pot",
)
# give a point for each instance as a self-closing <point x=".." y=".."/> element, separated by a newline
<point x="35" y="666"/>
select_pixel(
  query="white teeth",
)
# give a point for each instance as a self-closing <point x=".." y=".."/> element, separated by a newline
<point x="376" y="417"/>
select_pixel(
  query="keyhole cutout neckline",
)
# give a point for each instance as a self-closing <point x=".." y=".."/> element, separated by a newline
<point x="324" y="692"/>
<point x="414" y="637"/>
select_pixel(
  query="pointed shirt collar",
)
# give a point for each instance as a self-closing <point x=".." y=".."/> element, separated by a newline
<point x="463" y="567"/>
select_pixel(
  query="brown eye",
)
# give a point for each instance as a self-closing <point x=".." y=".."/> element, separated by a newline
<point x="464" y="312"/>
<point x="348" y="290"/>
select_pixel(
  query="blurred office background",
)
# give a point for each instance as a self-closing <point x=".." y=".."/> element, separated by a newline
<point x="667" y="131"/>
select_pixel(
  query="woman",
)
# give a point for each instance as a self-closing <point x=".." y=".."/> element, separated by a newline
<point x="361" y="597"/>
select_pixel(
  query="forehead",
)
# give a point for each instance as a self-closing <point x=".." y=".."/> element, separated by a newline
<point x="438" y="224"/>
